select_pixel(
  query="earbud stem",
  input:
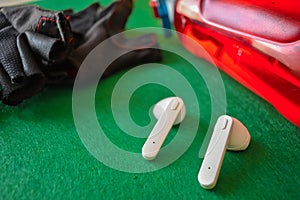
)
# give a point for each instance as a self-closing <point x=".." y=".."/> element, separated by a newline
<point x="211" y="165"/>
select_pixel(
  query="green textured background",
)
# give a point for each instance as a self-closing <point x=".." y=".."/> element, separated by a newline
<point x="42" y="156"/>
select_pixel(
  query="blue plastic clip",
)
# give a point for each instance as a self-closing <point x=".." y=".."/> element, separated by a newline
<point x="163" y="13"/>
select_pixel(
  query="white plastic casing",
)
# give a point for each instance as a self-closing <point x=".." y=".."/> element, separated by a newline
<point x="169" y="111"/>
<point x="228" y="133"/>
<point x="211" y="165"/>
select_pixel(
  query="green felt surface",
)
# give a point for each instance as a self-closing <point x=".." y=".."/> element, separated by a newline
<point x="42" y="156"/>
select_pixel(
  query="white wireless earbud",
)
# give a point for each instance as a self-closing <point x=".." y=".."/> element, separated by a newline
<point x="169" y="111"/>
<point x="228" y="132"/>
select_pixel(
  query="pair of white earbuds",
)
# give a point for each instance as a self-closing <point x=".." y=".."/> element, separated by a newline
<point x="228" y="133"/>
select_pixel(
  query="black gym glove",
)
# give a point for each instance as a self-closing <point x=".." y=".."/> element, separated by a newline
<point x="94" y="24"/>
<point x="29" y="36"/>
<point x="39" y="47"/>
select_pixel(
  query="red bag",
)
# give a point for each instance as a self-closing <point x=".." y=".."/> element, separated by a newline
<point x="257" y="42"/>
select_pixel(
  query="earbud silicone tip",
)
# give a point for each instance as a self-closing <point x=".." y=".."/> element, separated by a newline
<point x="239" y="138"/>
<point x="161" y="105"/>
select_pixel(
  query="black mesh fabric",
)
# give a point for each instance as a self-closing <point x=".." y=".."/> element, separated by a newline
<point x="25" y="41"/>
<point x="40" y="47"/>
<point x="9" y="56"/>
